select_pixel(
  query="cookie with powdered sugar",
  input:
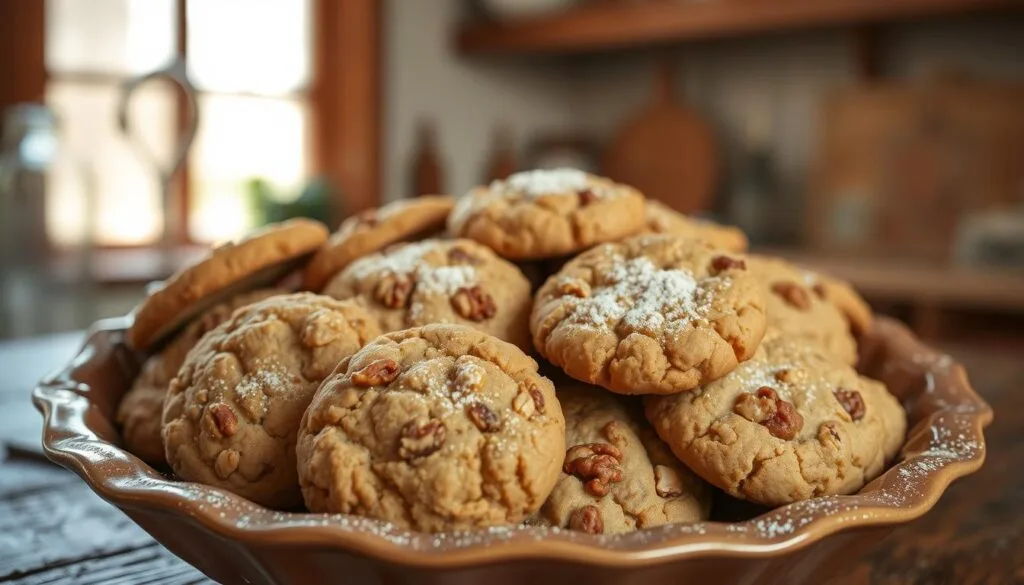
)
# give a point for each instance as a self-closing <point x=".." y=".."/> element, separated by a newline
<point x="653" y="314"/>
<point x="440" y="281"/>
<point x="542" y="214"/>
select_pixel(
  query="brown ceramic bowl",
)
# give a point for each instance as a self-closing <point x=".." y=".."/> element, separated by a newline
<point x="235" y="541"/>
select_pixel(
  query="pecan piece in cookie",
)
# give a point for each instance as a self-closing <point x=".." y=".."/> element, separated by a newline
<point x="587" y="519"/>
<point x="587" y="197"/>
<point x="460" y="256"/>
<point x="766" y="408"/>
<point x="793" y="294"/>
<point x="483" y="417"/>
<point x="224" y="419"/>
<point x="420" y="439"/>
<point x="595" y="463"/>
<point x="376" y="373"/>
<point x="474" y="303"/>
<point x="721" y="263"/>
<point x="393" y="291"/>
<point x="852" y="402"/>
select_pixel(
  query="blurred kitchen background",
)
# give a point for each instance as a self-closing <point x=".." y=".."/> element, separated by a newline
<point x="881" y="140"/>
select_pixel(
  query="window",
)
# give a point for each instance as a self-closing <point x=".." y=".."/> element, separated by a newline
<point x="250" y="61"/>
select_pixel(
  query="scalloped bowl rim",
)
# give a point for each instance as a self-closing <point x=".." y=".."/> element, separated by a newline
<point x="907" y="490"/>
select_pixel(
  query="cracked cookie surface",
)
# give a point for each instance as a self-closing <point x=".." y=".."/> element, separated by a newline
<point x="141" y="409"/>
<point x="440" y="281"/>
<point x="542" y="214"/>
<point x="618" y="476"/>
<point x="437" y="428"/>
<point x="662" y="219"/>
<point x="653" y="314"/>
<point x="795" y="308"/>
<point x="375" y="229"/>
<point x="232" y="412"/>
<point x="790" y="424"/>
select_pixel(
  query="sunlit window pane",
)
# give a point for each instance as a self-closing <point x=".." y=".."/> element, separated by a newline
<point x="96" y="158"/>
<point x="109" y="36"/>
<point x="249" y="46"/>
<point x="242" y="138"/>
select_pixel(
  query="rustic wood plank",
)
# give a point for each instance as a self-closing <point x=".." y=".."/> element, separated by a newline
<point x="149" y="564"/>
<point x="59" y="525"/>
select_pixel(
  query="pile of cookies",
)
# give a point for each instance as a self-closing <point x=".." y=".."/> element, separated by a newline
<point x="385" y="370"/>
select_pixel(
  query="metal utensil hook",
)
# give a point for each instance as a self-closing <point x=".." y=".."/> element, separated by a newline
<point x="176" y="73"/>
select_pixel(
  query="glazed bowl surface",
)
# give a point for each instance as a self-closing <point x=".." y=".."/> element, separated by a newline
<point x="235" y="541"/>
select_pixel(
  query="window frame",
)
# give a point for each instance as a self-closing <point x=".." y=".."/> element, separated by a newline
<point x="342" y="98"/>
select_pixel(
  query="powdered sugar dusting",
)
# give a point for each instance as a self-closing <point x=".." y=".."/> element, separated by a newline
<point x="642" y="297"/>
<point x="408" y="259"/>
<point x="542" y="182"/>
<point x="445" y="280"/>
<point x="404" y="259"/>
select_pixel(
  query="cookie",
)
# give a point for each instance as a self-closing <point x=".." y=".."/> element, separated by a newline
<point x="547" y="213"/>
<point x="795" y="309"/>
<point x="375" y="229"/>
<point x="653" y="314"/>
<point x="140" y="410"/>
<point x="440" y="281"/>
<point x="231" y="413"/>
<point x="434" y="429"/>
<point x="790" y="424"/>
<point x="617" y="475"/>
<point x="841" y="294"/>
<point x="261" y="259"/>
<point x="662" y="219"/>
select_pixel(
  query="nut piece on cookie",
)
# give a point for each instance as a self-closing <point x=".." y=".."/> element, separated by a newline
<point x="232" y="412"/>
<point x="617" y="475"/>
<point x="542" y="214"/>
<point x="142" y="407"/>
<point x="437" y="428"/>
<point x="440" y="281"/>
<point x="790" y="424"/>
<point x="795" y="308"/>
<point x="261" y="259"/>
<point x="662" y="219"/>
<point x="652" y="314"/>
<point x="373" y="230"/>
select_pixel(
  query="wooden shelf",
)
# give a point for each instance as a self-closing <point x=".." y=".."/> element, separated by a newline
<point x="617" y="24"/>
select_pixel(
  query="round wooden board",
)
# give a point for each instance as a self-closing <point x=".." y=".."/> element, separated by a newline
<point x="667" y="151"/>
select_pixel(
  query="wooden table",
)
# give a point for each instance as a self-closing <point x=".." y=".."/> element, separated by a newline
<point x="54" y="530"/>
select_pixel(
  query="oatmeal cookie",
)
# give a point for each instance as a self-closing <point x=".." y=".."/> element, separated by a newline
<point x="373" y="230"/>
<point x="440" y="281"/>
<point x="795" y="309"/>
<point x="841" y="294"/>
<point x="653" y="314"/>
<point x="618" y="476"/>
<point x="263" y="258"/>
<point x="790" y="424"/>
<point x="547" y="213"/>
<point x="142" y="406"/>
<point x="437" y="428"/>
<point x="231" y="414"/>
<point x="662" y="219"/>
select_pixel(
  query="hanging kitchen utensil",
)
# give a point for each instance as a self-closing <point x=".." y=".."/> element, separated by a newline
<point x="176" y="73"/>
<point x="667" y="151"/>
